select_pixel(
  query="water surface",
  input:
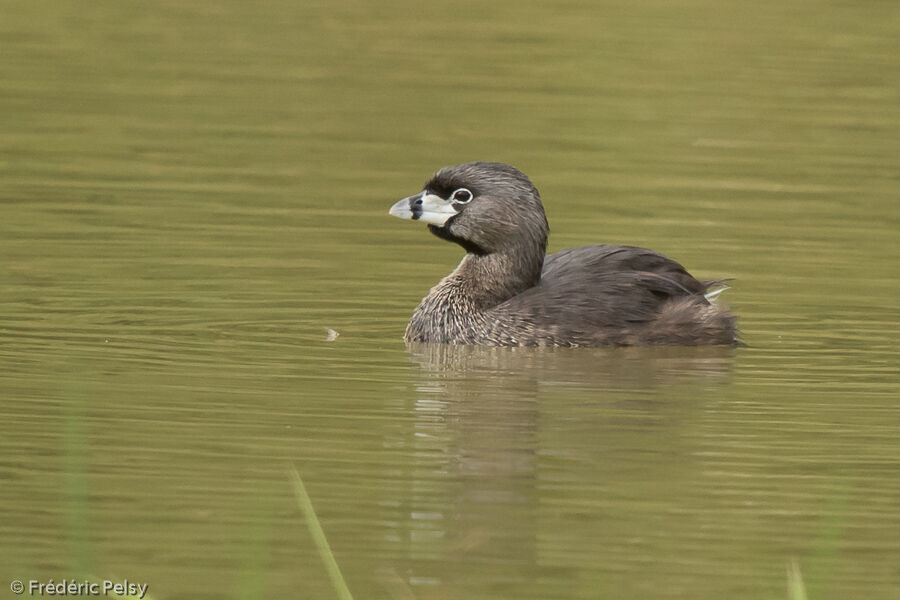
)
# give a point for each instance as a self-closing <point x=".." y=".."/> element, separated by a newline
<point x="192" y="194"/>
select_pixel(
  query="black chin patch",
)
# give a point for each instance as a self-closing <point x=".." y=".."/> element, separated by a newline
<point x="445" y="234"/>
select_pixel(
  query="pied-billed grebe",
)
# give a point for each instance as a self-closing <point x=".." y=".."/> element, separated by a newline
<point x="506" y="292"/>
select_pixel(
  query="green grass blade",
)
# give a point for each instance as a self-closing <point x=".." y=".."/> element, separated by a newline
<point x="318" y="535"/>
<point x="796" y="589"/>
<point x="75" y="484"/>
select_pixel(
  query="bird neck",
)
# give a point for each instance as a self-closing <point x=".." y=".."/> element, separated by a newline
<point x="482" y="281"/>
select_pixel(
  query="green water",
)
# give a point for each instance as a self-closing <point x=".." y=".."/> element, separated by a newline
<point x="192" y="193"/>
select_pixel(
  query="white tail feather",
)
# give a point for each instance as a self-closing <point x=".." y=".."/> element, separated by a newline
<point x="713" y="294"/>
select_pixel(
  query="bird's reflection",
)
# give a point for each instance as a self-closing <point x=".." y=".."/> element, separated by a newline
<point x="617" y="367"/>
<point x="484" y="428"/>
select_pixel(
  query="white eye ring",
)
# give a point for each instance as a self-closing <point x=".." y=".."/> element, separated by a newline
<point x="461" y="196"/>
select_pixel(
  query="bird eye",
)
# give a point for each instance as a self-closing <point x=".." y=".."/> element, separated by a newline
<point x="462" y="196"/>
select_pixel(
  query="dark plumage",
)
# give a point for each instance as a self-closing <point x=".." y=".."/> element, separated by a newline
<point x="506" y="292"/>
